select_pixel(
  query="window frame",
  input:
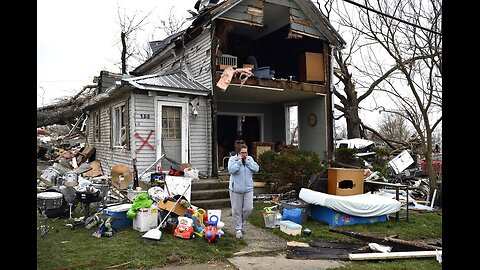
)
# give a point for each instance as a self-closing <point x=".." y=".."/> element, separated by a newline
<point x="96" y="126"/>
<point x="119" y="121"/>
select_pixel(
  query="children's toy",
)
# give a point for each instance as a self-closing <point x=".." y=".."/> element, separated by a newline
<point x="211" y="232"/>
<point x="156" y="234"/>
<point x="184" y="228"/>
<point x="202" y="214"/>
<point x="198" y="225"/>
<point x="104" y="228"/>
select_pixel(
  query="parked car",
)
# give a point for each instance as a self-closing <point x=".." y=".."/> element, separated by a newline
<point x="436" y="164"/>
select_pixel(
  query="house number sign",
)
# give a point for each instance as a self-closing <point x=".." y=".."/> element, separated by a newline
<point x="144" y="116"/>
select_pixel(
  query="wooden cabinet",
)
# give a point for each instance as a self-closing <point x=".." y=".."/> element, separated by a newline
<point x="311" y="67"/>
<point x="260" y="147"/>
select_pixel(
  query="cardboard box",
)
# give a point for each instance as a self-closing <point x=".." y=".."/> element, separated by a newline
<point x="345" y="182"/>
<point x="146" y="219"/>
<point x="178" y="209"/>
<point x="335" y="218"/>
<point x="290" y="227"/>
<point x="311" y="67"/>
<point x="119" y="214"/>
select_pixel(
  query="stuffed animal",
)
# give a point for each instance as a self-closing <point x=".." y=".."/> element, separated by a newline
<point x="140" y="201"/>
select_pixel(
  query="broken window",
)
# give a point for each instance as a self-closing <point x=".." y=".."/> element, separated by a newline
<point x="119" y="126"/>
<point x="96" y="126"/>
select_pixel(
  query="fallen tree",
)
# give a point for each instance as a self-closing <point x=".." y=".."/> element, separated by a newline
<point x="64" y="112"/>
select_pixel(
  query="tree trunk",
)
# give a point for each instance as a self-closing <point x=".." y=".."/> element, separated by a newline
<point x="353" y="127"/>
<point x="124" y="53"/>
<point x="351" y="112"/>
<point x="60" y="115"/>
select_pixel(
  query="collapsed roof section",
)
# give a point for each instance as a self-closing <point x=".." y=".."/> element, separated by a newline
<point x="301" y="18"/>
<point x="177" y="82"/>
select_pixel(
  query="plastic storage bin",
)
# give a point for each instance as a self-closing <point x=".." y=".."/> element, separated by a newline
<point x="271" y="216"/>
<point x="290" y="227"/>
<point x="304" y="206"/>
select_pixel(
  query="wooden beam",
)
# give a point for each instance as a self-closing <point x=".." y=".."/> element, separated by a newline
<point x="394" y="255"/>
<point x="388" y="241"/>
<point x="280" y="84"/>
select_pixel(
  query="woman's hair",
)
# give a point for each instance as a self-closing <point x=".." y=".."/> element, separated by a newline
<point x="239" y="144"/>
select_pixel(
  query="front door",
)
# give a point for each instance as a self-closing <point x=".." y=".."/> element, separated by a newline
<point x="173" y="133"/>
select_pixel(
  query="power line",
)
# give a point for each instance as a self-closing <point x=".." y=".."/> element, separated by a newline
<point x="392" y="17"/>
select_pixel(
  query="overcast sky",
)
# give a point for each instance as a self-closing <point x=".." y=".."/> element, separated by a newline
<point x="78" y="39"/>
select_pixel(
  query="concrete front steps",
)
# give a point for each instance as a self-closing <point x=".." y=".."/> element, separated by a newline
<point x="211" y="193"/>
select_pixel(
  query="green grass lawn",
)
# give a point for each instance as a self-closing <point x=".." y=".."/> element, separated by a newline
<point x="66" y="248"/>
<point x="421" y="226"/>
<point x="63" y="247"/>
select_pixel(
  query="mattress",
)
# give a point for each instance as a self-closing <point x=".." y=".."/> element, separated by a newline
<point x="361" y="205"/>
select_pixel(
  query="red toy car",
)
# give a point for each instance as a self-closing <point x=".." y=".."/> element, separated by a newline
<point x="184" y="228"/>
<point x="436" y="164"/>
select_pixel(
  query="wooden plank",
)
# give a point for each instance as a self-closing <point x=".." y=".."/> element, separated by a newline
<point x="309" y="253"/>
<point x="294" y="243"/>
<point x="280" y="84"/>
<point x="397" y="244"/>
<point x="95" y="171"/>
<point x="394" y="255"/>
<point x="335" y="244"/>
<point x="323" y="249"/>
<point x="297" y="26"/>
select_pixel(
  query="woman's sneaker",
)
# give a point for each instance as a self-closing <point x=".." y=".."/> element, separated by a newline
<point x="239" y="234"/>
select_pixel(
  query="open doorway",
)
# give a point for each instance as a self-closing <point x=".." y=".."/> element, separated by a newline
<point x="236" y="127"/>
<point x="291" y="117"/>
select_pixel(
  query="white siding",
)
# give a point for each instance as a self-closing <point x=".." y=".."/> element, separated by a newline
<point x="197" y="60"/>
<point x="199" y="137"/>
<point x="104" y="153"/>
<point x="143" y="105"/>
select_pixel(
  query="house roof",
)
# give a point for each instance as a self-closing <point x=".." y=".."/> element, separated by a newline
<point x="176" y="81"/>
<point x="160" y="44"/>
<point x="321" y="22"/>
<point x="307" y="6"/>
<point x="208" y="14"/>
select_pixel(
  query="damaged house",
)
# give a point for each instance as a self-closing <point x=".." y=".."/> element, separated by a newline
<point x="171" y="103"/>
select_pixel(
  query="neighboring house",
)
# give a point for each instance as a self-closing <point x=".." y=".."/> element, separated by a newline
<point x="170" y="104"/>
